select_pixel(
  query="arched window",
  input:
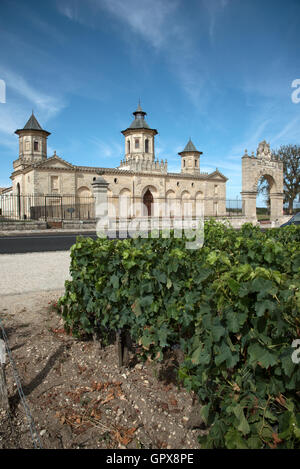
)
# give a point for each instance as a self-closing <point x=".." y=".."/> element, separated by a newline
<point x="137" y="143"/>
<point x="84" y="193"/>
<point x="128" y="146"/>
<point x="124" y="203"/>
<point x="146" y="146"/>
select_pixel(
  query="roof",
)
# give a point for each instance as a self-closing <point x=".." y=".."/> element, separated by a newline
<point x="190" y="147"/>
<point x="217" y="173"/>
<point x="32" y="124"/>
<point x="139" y="120"/>
<point x="5" y="189"/>
<point x="139" y="124"/>
<point x="139" y="110"/>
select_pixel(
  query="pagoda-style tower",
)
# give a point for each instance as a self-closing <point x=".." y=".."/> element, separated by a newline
<point x="190" y="159"/>
<point x="140" y="146"/>
<point x="32" y="143"/>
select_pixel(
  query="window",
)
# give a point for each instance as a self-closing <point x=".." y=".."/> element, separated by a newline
<point x="137" y="143"/>
<point x="184" y="163"/>
<point x="27" y="143"/>
<point x="36" y="146"/>
<point x="215" y="209"/>
<point x="195" y="163"/>
<point x="128" y="146"/>
<point x="54" y="184"/>
<point x="146" y="146"/>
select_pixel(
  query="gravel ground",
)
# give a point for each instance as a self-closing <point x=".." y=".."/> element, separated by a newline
<point x="40" y="271"/>
<point x="78" y="395"/>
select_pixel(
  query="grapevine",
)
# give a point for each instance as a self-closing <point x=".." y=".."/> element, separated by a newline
<point x="232" y="307"/>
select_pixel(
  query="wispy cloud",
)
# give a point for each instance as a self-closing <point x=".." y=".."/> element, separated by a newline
<point x="289" y="133"/>
<point x="106" y="149"/>
<point x="255" y="133"/>
<point x="8" y="120"/>
<point x="50" y="105"/>
<point x="10" y="143"/>
<point x="30" y="15"/>
<point x="21" y="98"/>
<point x="159" y="24"/>
<point x="69" y="11"/>
<point x="45" y="28"/>
<point x="149" y="18"/>
<point x="214" y="10"/>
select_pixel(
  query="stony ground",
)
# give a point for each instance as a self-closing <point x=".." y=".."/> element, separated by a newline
<point x="77" y="394"/>
<point x="32" y="272"/>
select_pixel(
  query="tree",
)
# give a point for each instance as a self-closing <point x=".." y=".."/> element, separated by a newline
<point x="263" y="188"/>
<point x="290" y="156"/>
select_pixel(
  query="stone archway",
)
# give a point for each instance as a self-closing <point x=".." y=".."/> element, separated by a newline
<point x="186" y="204"/>
<point x="84" y="192"/>
<point x="171" y="204"/>
<point x="199" y="204"/>
<point x="125" y="203"/>
<point x="149" y="201"/>
<point x="255" y="167"/>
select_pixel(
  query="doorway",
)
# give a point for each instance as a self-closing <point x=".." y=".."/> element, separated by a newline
<point x="148" y="201"/>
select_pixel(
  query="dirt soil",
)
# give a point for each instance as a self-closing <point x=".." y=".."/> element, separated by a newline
<point x="78" y="395"/>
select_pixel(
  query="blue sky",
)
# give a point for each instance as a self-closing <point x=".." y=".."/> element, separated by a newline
<point x="218" y="71"/>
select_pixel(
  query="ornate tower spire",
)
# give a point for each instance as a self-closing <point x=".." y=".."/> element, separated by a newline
<point x="139" y="138"/>
<point x="32" y="141"/>
<point x="190" y="159"/>
<point x="139" y="113"/>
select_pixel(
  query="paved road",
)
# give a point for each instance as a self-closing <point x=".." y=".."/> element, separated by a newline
<point x="49" y="241"/>
<point x="39" y="242"/>
<point x="44" y="242"/>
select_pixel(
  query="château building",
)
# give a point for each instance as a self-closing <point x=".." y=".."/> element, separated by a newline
<point x="140" y="178"/>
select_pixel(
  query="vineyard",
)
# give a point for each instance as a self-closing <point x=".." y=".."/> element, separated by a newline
<point x="232" y="307"/>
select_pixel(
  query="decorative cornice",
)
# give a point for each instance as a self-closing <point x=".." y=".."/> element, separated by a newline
<point x="99" y="170"/>
<point x="130" y="131"/>
<point x="217" y="172"/>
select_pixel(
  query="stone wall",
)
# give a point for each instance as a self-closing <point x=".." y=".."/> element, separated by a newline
<point x="79" y="225"/>
<point x="22" y="225"/>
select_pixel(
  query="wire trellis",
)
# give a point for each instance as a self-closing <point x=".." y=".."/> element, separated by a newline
<point x="33" y="431"/>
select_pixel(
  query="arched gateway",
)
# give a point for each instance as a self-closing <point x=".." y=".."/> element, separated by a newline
<point x="255" y="167"/>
